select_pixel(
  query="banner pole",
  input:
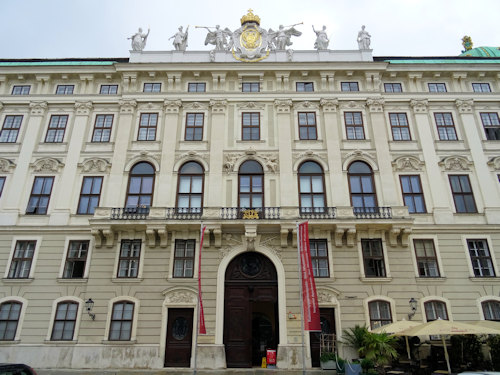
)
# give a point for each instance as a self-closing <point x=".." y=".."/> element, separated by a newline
<point x="198" y="305"/>
<point x="301" y="302"/>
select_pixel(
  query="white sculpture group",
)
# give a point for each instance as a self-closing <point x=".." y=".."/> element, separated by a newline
<point x="224" y="39"/>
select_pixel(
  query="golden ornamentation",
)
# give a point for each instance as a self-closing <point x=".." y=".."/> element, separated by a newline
<point x="248" y="60"/>
<point x="467" y="43"/>
<point x="250" y="38"/>
<point x="250" y="214"/>
<point x="250" y="17"/>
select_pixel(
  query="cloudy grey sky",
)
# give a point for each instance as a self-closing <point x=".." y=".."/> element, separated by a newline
<point x="99" y="28"/>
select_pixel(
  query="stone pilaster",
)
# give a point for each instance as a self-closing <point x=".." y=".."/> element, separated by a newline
<point x="213" y="183"/>
<point x="285" y="123"/>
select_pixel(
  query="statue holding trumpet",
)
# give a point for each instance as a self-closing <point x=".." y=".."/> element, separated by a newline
<point x="280" y="39"/>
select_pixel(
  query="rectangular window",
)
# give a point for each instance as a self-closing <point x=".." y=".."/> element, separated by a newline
<point x="393" y="87"/>
<point x="147" y="127"/>
<point x="480" y="258"/>
<point x="130" y="252"/>
<point x="9" y="319"/>
<point x="65" y="89"/>
<point x="64" y="321"/>
<point x="22" y="259"/>
<point x="109" y="89"/>
<point x="122" y="317"/>
<point x="40" y="196"/>
<point x="435" y="310"/>
<point x="57" y="127"/>
<point x="400" y="127"/>
<point x="184" y="258"/>
<point x="89" y="195"/>
<point x="76" y="258"/>
<point x="307" y="125"/>
<point x="304" y="86"/>
<point x="102" y="128"/>
<point x="349" y="86"/>
<point x="194" y="126"/>
<point x="152" y="87"/>
<point x="491" y="124"/>
<point x="10" y="128"/>
<point x="2" y="183"/>
<point x="491" y="310"/>
<point x="437" y="87"/>
<point x="354" y="125"/>
<point x="250" y="127"/>
<point x="319" y="258"/>
<point x="445" y="126"/>
<point x="250" y="87"/>
<point x="481" y="87"/>
<point x="21" y="90"/>
<point x="373" y="258"/>
<point x="412" y="194"/>
<point x="427" y="262"/>
<point x="462" y="194"/>
<point x="197" y="87"/>
<point x="380" y="314"/>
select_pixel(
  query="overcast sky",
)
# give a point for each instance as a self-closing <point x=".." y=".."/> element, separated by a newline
<point x="99" y="28"/>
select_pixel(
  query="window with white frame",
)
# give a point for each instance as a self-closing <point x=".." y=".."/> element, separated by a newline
<point x="491" y="310"/>
<point x="373" y="257"/>
<point x="184" y="258"/>
<point x="480" y="258"/>
<point x="122" y="317"/>
<point x="319" y="258"/>
<point x="10" y="128"/>
<point x="64" y="321"/>
<point x="76" y="259"/>
<point x="380" y="313"/>
<point x="128" y="264"/>
<point x="10" y="312"/>
<point x="22" y="259"/>
<point x="425" y="254"/>
<point x="435" y="310"/>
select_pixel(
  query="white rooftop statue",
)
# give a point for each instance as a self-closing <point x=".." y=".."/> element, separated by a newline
<point x="219" y="38"/>
<point x="322" y="40"/>
<point x="139" y="40"/>
<point x="364" y="38"/>
<point x="281" y="39"/>
<point x="180" y="39"/>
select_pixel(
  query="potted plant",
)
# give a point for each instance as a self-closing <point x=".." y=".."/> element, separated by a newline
<point x="328" y="361"/>
<point x="353" y="368"/>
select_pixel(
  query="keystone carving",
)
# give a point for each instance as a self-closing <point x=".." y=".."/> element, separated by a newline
<point x="172" y="106"/>
<point x="352" y="105"/>
<point x="6" y="165"/>
<point x="359" y="155"/>
<point x="329" y="105"/>
<point x="127" y="106"/>
<point x="47" y="165"/>
<point x="95" y="165"/>
<point x="455" y="163"/>
<point x="325" y="296"/>
<point x="191" y="155"/>
<point x="310" y="154"/>
<point x="195" y="105"/>
<point x="251" y="105"/>
<point x="419" y="105"/>
<point x="407" y="164"/>
<point x="464" y="106"/>
<point x="218" y="106"/>
<point x="495" y="163"/>
<point x="283" y="105"/>
<point x="83" y="108"/>
<point x="180" y="297"/>
<point x="305" y="105"/>
<point x="38" y="108"/>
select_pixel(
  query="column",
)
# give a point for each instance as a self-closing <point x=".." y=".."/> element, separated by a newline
<point x="288" y="184"/>
<point x="213" y="181"/>
<point x="124" y="130"/>
<point x="389" y="196"/>
<point x="439" y="191"/>
<point x="488" y="188"/>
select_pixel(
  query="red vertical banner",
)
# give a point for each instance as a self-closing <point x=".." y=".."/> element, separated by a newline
<point x="201" y="322"/>
<point x="309" y="296"/>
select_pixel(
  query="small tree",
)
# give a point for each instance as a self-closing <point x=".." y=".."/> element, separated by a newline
<point x="493" y="342"/>
<point x="355" y="336"/>
<point x="379" y="348"/>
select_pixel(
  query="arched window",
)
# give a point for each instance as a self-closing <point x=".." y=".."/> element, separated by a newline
<point x="491" y="310"/>
<point x="9" y="319"/>
<point x="65" y="321"/>
<point x="435" y="310"/>
<point x="362" y="188"/>
<point x="311" y="188"/>
<point x="122" y="318"/>
<point x="190" y="188"/>
<point x="140" y="185"/>
<point x="380" y="313"/>
<point x="251" y="185"/>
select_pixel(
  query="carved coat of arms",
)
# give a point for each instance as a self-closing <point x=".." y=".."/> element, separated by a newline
<point x="250" y="40"/>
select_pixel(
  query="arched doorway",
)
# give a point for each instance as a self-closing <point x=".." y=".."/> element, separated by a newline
<point x="250" y="309"/>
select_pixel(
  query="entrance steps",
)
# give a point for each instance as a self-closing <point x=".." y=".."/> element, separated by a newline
<point x="183" y="371"/>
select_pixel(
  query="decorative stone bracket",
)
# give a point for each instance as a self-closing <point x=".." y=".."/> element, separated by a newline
<point x="154" y="231"/>
<point x="250" y="236"/>
<point x="217" y="233"/>
<point x="284" y="232"/>
<point x="103" y="236"/>
<point x="350" y="236"/>
<point x="401" y="232"/>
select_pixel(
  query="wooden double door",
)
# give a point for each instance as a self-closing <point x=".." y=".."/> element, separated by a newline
<point x="250" y="310"/>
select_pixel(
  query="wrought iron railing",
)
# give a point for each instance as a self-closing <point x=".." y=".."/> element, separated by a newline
<point x="318" y="212"/>
<point x="256" y="213"/>
<point x="130" y="213"/>
<point x="372" y="212"/>
<point x="184" y="213"/>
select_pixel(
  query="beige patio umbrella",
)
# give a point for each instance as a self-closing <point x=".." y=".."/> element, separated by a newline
<point x="447" y="327"/>
<point x="396" y="327"/>
<point x="487" y="324"/>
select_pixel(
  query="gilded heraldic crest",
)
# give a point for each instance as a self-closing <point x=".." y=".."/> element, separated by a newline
<point x="250" y="40"/>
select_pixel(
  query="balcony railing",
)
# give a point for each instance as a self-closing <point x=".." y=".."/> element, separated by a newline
<point x="256" y="213"/>
<point x="130" y="213"/>
<point x="184" y="213"/>
<point x="372" y="212"/>
<point x="318" y="212"/>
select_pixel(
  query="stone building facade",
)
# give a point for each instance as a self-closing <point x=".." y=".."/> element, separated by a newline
<point x="108" y="169"/>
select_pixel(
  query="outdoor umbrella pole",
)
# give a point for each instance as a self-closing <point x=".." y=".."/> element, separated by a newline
<point x="408" y="348"/>
<point x="446" y="354"/>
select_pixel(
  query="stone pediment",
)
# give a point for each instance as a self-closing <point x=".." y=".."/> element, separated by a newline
<point x="95" y="165"/>
<point x="47" y="165"/>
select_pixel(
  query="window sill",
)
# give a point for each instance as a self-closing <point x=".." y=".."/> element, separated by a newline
<point x="60" y="342"/>
<point x="17" y="281"/>
<point x="188" y="142"/>
<point x="250" y="141"/>
<point x="10" y="342"/>
<point x="420" y="279"/>
<point x="482" y="279"/>
<point x="119" y="342"/>
<point x="80" y="280"/>
<point x="109" y="143"/>
<point x="140" y="141"/>
<point x="181" y="279"/>
<point x="126" y="279"/>
<point x="375" y="279"/>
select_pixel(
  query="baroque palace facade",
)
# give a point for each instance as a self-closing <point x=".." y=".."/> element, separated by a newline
<point x="108" y="168"/>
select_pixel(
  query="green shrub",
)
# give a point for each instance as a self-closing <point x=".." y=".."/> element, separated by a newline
<point x="466" y="352"/>
<point x="493" y="342"/>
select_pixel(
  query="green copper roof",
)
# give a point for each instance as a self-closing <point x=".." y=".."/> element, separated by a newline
<point x="482" y="52"/>
<point x="443" y="61"/>
<point x="54" y="63"/>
